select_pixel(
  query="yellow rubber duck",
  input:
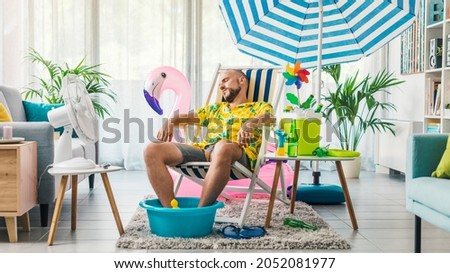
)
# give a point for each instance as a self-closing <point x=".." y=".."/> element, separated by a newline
<point x="174" y="204"/>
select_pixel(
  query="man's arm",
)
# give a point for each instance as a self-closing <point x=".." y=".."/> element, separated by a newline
<point x="166" y="131"/>
<point x="245" y="134"/>
<point x="190" y="118"/>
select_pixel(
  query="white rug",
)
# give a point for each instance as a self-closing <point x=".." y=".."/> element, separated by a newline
<point x="138" y="235"/>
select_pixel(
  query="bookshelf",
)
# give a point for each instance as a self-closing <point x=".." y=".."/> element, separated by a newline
<point x="412" y="57"/>
<point x="437" y="66"/>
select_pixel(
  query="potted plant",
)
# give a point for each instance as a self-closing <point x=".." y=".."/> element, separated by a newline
<point x="353" y="107"/>
<point x="49" y="87"/>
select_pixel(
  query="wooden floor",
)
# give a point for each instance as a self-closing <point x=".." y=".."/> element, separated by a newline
<point x="378" y="199"/>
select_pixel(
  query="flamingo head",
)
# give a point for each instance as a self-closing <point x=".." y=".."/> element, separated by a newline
<point x="153" y="88"/>
<point x="167" y="78"/>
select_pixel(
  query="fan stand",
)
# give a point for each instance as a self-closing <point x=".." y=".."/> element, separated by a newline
<point x="64" y="143"/>
<point x="64" y="159"/>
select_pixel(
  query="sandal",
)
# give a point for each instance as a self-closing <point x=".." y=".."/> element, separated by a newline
<point x="246" y="232"/>
<point x="231" y="232"/>
<point x="252" y="232"/>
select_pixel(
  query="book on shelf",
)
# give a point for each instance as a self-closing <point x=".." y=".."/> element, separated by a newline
<point x="433" y="127"/>
<point x="433" y="97"/>
<point x="448" y="47"/>
<point x="437" y="100"/>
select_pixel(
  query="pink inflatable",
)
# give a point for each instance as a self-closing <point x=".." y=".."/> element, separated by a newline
<point x="189" y="188"/>
<point x="166" y="78"/>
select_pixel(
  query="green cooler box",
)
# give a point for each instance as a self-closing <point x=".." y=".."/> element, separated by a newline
<point x="308" y="130"/>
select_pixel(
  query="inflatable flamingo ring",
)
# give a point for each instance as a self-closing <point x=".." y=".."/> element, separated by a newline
<point x="167" y="78"/>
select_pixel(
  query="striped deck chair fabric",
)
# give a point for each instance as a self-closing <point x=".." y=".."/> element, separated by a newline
<point x="265" y="84"/>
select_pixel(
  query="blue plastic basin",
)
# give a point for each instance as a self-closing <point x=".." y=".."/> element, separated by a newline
<point x="187" y="221"/>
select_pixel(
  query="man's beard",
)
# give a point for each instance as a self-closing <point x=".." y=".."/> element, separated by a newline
<point x="232" y="94"/>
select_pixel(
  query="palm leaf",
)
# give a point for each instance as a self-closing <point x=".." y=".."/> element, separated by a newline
<point x="49" y="86"/>
<point x="353" y="108"/>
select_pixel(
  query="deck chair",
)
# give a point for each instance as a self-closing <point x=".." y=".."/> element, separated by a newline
<point x="264" y="84"/>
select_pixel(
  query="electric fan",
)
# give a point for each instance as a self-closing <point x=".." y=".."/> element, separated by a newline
<point x="77" y="114"/>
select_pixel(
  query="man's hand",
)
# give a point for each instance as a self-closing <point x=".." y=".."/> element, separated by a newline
<point x="245" y="134"/>
<point x="244" y="137"/>
<point x="166" y="132"/>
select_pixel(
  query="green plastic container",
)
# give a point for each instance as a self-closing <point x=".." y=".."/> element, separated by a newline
<point x="308" y="130"/>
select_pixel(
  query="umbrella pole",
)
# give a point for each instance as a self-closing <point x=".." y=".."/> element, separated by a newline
<point x="316" y="172"/>
<point x="317" y="193"/>
<point x="319" y="51"/>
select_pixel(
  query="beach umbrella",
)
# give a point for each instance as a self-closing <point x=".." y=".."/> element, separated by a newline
<point x="315" y="32"/>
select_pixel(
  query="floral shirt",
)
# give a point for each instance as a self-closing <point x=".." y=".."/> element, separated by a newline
<point x="225" y="123"/>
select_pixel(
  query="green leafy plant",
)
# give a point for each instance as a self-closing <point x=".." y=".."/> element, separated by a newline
<point x="49" y="87"/>
<point x="355" y="107"/>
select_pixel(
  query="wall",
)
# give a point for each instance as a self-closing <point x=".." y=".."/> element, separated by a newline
<point x="409" y="97"/>
<point x="390" y="151"/>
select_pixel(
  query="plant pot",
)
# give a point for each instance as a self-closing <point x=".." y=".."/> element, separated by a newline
<point x="352" y="168"/>
<point x="447" y="112"/>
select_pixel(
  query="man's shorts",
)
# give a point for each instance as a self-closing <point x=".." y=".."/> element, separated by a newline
<point x="191" y="154"/>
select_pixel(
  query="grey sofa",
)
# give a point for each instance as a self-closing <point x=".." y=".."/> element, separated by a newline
<point x="427" y="197"/>
<point x="43" y="134"/>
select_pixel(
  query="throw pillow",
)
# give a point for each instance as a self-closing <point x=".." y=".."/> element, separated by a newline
<point x="443" y="169"/>
<point x="37" y="111"/>
<point x="4" y="114"/>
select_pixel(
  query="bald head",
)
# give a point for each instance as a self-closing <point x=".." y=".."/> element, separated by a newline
<point x="238" y="73"/>
<point x="233" y="84"/>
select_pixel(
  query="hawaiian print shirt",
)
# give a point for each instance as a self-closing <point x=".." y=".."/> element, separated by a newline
<point x="225" y="123"/>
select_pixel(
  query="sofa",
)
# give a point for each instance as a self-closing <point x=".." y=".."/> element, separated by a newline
<point x="427" y="197"/>
<point x="44" y="134"/>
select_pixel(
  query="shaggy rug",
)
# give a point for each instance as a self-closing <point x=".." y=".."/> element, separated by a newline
<point x="138" y="235"/>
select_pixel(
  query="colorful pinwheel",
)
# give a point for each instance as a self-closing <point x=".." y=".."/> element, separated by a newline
<point x="296" y="75"/>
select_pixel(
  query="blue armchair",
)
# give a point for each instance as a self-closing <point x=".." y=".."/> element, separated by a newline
<point x="427" y="197"/>
<point x="43" y="134"/>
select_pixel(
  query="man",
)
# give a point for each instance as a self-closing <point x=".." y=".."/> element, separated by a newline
<point x="233" y="134"/>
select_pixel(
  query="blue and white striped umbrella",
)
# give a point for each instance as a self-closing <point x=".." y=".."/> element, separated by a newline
<point x="284" y="31"/>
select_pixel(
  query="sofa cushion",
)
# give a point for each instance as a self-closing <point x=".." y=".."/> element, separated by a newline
<point x="13" y="100"/>
<point x="431" y="192"/>
<point x="37" y="111"/>
<point x="443" y="168"/>
<point x="4" y="114"/>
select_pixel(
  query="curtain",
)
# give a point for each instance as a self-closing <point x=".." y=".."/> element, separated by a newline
<point x="134" y="38"/>
<point x="13" y="42"/>
<point x="128" y="38"/>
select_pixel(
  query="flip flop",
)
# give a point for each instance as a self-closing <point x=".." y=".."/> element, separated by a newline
<point x="231" y="232"/>
<point x="298" y="224"/>
<point x="252" y="232"/>
<point x="246" y="232"/>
